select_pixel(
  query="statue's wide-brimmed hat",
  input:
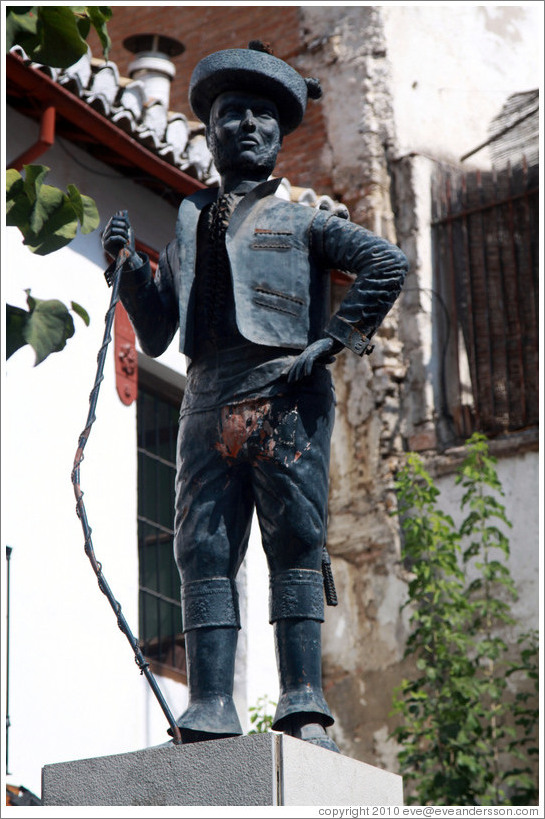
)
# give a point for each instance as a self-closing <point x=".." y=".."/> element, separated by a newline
<point x="252" y="70"/>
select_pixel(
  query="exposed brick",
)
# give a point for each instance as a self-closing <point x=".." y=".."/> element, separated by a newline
<point x="421" y="441"/>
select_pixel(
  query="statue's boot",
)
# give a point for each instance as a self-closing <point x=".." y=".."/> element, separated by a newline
<point x="297" y="614"/>
<point x="211" y="712"/>
<point x="211" y="621"/>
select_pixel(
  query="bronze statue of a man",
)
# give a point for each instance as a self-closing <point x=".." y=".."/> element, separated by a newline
<point x="246" y="282"/>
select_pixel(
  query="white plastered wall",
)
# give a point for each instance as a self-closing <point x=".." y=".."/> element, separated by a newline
<point x="453" y="66"/>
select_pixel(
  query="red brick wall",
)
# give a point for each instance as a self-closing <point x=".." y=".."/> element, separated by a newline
<point x="204" y="29"/>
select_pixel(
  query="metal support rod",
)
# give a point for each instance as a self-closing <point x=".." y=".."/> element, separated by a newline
<point x="8" y="723"/>
<point x="140" y="660"/>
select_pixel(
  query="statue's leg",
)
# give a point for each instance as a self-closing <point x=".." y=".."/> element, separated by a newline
<point x="213" y="515"/>
<point x="291" y="490"/>
<point x="296" y="603"/>
<point x="211" y="623"/>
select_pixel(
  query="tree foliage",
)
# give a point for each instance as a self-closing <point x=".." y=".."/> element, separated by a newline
<point x="56" y="35"/>
<point x="466" y="737"/>
<point x="46" y="326"/>
<point x="48" y="217"/>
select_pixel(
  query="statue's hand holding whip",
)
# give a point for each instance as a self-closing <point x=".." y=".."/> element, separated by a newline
<point x="118" y="236"/>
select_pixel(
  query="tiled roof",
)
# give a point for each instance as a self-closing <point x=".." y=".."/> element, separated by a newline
<point x="514" y="132"/>
<point x="168" y="134"/>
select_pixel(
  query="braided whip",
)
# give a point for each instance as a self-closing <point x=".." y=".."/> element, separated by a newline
<point x="140" y="660"/>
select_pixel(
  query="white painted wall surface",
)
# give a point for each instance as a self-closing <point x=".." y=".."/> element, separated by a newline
<point x="520" y="479"/>
<point x="453" y="67"/>
<point x="75" y="690"/>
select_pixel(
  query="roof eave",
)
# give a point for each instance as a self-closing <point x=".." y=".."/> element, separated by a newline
<point x="81" y="115"/>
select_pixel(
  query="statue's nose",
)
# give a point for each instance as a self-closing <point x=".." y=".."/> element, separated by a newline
<point x="248" y="122"/>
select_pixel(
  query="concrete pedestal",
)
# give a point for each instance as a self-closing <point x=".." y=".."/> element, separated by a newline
<point x="261" y="769"/>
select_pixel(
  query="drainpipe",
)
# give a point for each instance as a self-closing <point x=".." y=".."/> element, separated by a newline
<point x="152" y="65"/>
<point x="45" y="140"/>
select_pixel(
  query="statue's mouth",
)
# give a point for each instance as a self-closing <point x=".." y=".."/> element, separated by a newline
<point x="248" y="142"/>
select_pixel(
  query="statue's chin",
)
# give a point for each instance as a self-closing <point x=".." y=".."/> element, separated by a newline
<point x="247" y="164"/>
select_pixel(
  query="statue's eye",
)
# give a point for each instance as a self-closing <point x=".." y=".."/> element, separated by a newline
<point x="265" y="113"/>
<point x="229" y="111"/>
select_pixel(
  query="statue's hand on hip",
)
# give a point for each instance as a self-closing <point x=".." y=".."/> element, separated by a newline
<point x="303" y="364"/>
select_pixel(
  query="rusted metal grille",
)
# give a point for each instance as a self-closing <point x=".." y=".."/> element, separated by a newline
<point x="485" y="238"/>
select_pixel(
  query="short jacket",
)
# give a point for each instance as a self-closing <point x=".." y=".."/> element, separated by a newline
<point x="280" y="254"/>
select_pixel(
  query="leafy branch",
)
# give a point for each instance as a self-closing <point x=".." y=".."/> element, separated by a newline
<point x="48" y="220"/>
<point x="47" y="217"/>
<point x="260" y="718"/>
<point x="466" y="738"/>
<point x="56" y="35"/>
<point x="46" y="326"/>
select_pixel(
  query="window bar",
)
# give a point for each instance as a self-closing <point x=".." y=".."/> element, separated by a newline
<point x="144" y="604"/>
<point x="158" y="599"/>
<point x="155" y="427"/>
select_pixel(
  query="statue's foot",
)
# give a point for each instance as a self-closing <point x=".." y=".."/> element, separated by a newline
<point x="212" y="717"/>
<point x="313" y="732"/>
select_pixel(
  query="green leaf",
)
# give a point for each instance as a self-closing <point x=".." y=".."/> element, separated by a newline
<point x="61" y="44"/>
<point x="85" y="208"/>
<point x="48" y="201"/>
<point x="47" y="217"/>
<point x="13" y="180"/>
<point x="34" y="177"/>
<point x="81" y="312"/>
<point x="74" y="197"/>
<point x="21" y="25"/>
<point x="56" y="35"/>
<point x="15" y="324"/>
<point x="18" y="207"/>
<point x="47" y="327"/>
<point x="99" y="16"/>
<point x="59" y="230"/>
<point x="82" y="20"/>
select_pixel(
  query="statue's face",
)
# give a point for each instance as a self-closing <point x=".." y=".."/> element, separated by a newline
<point x="244" y="134"/>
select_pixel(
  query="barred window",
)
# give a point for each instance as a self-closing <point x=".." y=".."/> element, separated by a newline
<point x="160" y="622"/>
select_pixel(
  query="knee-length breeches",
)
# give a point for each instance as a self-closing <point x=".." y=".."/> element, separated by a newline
<point x="271" y="454"/>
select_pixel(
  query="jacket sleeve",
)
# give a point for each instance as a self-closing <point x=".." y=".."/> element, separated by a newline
<point x="379" y="268"/>
<point x="151" y="301"/>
